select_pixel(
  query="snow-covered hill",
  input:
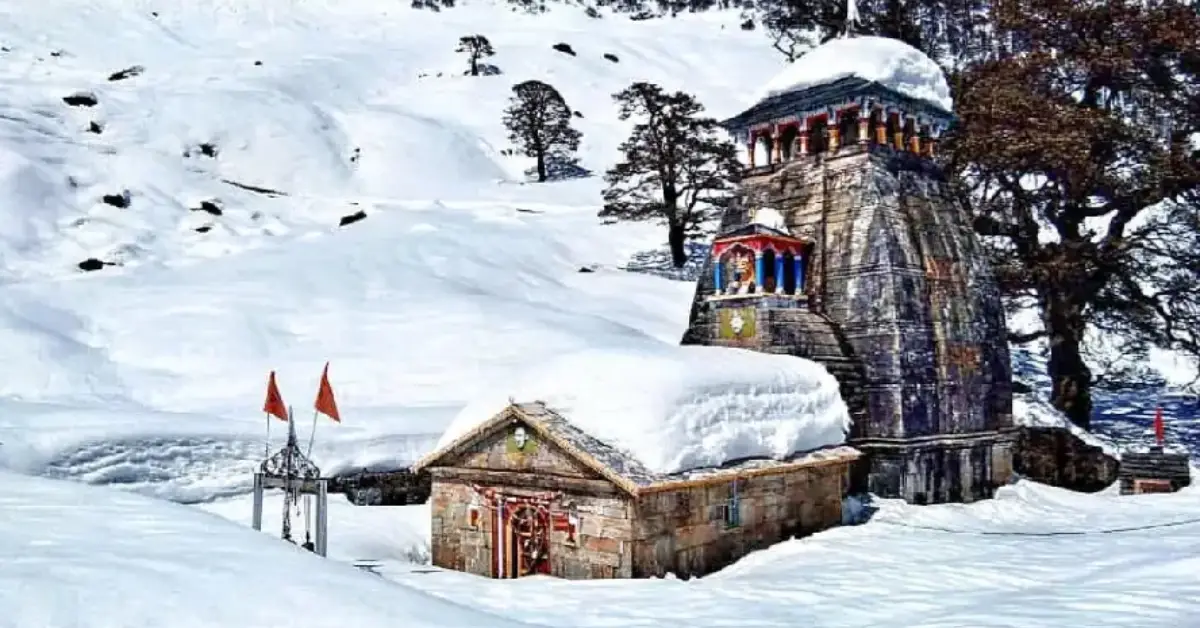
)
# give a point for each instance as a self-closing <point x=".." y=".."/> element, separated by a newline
<point x="151" y="373"/>
<point x="247" y="131"/>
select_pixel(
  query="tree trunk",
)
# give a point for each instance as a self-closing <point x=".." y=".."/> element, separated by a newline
<point x="474" y="65"/>
<point x="541" y="165"/>
<point x="1070" y="377"/>
<point x="676" y="240"/>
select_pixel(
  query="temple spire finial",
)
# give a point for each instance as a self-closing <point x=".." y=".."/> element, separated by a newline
<point x="851" y="17"/>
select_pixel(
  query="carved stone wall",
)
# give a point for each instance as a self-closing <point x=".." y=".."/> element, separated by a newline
<point x="898" y="274"/>
<point x="686" y="531"/>
<point x="599" y="548"/>
<point x="513" y="464"/>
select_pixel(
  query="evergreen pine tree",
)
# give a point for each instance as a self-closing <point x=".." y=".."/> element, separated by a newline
<point x="476" y="47"/>
<point x="678" y="168"/>
<point x="539" y="124"/>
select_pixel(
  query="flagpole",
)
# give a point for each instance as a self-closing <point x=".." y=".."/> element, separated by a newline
<point x="267" y="445"/>
<point x="313" y="435"/>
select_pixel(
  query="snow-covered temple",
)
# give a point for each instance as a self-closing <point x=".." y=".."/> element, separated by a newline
<point x="892" y="292"/>
<point x="637" y="463"/>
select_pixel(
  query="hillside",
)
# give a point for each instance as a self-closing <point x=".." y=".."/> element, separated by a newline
<point x="150" y="372"/>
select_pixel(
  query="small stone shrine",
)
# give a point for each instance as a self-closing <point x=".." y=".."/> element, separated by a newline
<point x="527" y="492"/>
<point x="873" y="270"/>
<point x="1155" y="469"/>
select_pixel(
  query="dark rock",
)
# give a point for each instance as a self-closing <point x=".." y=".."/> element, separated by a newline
<point x="258" y="63"/>
<point x="253" y="188"/>
<point x="611" y="57"/>
<point x="564" y="48"/>
<point x="208" y="149"/>
<point x="154" y="13"/>
<point x="211" y="207"/>
<point x="128" y="72"/>
<point x="577" y="114"/>
<point x="117" y="200"/>
<point x="1021" y="388"/>
<point x="748" y="25"/>
<point x="585" y="269"/>
<point x="56" y="53"/>
<point x="91" y="264"/>
<point x="383" y="488"/>
<point x="350" y="219"/>
<point x="1056" y="456"/>
<point x="94" y="127"/>
<point x="641" y="16"/>
<point x="81" y="99"/>
<point x="592" y="13"/>
<point x="204" y="229"/>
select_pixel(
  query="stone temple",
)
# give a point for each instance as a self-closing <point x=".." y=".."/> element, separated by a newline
<point x="846" y="247"/>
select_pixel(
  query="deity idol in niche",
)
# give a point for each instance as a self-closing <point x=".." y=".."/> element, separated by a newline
<point x="742" y="269"/>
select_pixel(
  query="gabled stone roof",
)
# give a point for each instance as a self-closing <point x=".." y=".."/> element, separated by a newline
<point x="619" y="467"/>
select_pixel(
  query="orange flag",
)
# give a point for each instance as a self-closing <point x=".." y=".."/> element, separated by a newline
<point x="274" y="404"/>
<point x="1160" y="430"/>
<point x="325" y="403"/>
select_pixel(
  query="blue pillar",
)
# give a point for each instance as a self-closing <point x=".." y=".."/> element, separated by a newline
<point x="758" y="271"/>
<point x="719" y="277"/>
<point x="799" y="263"/>
<point x="778" y="274"/>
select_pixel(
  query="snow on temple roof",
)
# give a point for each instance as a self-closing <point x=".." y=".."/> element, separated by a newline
<point x="770" y="218"/>
<point x="889" y="62"/>
<point x="674" y="409"/>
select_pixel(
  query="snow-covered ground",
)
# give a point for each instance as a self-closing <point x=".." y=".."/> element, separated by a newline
<point x="149" y="375"/>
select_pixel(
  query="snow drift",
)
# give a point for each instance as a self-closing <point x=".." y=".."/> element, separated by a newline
<point x="88" y="556"/>
<point x="679" y="408"/>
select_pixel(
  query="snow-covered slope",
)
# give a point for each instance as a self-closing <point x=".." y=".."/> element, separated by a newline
<point x="152" y="373"/>
<point x="88" y="556"/>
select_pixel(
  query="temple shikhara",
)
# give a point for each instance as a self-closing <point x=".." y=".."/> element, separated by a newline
<point x="868" y="266"/>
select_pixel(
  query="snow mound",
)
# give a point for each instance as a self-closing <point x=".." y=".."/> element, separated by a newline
<point x="100" y="557"/>
<point x="771" y="218"/>
<point x="889" y="62"/>
<point x="679" y="408"/>
<point x="1032" y="411"/>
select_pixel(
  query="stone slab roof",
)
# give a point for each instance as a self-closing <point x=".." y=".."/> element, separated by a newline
<point x="621" y="468"/>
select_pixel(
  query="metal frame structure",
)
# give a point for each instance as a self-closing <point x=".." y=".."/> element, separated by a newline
<point x="289" y="469"/>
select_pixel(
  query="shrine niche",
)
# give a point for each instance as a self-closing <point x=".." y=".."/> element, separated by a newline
<point x="759" y="260"/>
<point x="575" y="507"/>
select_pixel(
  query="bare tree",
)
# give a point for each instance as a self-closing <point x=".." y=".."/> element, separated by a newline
<point x="1076" y="141"/>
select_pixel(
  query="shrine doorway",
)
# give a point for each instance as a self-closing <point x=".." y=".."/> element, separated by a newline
<point x="521" y="539"/>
